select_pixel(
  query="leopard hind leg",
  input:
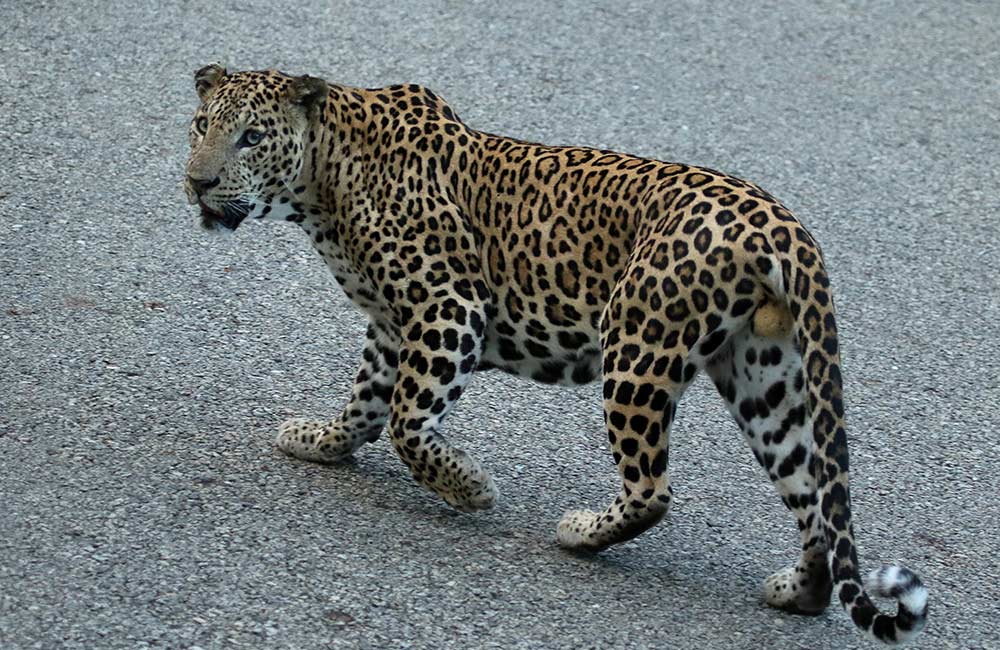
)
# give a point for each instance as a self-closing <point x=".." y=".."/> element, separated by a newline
<point x="759" y="374"/>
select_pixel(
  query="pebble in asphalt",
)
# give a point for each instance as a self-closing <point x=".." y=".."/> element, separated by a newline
<point x="146" y="365"/>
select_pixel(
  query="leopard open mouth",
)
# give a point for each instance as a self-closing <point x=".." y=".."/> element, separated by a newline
<point x="230" y="218"/>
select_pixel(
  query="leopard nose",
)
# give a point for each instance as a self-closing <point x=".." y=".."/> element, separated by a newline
<point x="202" y="185"/>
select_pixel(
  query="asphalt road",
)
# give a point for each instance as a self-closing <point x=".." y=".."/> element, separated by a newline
<point x="145" y="366"/>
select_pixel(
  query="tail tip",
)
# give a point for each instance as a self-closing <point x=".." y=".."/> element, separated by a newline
<point x="901" y="584"/>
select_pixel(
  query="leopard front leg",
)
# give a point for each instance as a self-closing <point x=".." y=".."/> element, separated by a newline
<point x="363" y="418"/>
<point x="442" y="345"/>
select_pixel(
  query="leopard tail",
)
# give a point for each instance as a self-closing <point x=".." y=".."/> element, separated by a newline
<point x="807" y="293"/>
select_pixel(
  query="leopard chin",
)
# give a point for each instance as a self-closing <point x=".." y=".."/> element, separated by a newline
<point x="229" y="219"/>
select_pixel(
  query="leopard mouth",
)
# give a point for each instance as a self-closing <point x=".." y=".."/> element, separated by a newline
<point x="232" y="215"/>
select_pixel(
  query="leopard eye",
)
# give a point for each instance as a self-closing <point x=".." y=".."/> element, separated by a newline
<point x="201" y="125"/>
<point x="250" y="138"/>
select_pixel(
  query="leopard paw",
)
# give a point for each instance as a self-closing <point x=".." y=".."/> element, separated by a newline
<point x="796" y="591"/>
<point x="460" y="480"/>
<point x="574" y="531"/>
<point x="479" y="493"/>
<point x="318" y="442"/>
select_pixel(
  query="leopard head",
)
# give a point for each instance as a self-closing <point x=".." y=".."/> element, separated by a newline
<point x="248" y="142"/>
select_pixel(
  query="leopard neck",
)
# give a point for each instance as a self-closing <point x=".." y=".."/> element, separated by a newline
<point x="368" y="147"/>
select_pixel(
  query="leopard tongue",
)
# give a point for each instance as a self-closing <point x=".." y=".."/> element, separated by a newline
<point x="207" y="211"/>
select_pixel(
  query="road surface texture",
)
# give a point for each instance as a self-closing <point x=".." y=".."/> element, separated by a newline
<point x="145" y="365"/>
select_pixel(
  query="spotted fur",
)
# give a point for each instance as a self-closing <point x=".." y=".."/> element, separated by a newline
<point x="469" y="251"/>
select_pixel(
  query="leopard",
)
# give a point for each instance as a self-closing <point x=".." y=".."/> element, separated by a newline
<point x="469" y="252"/>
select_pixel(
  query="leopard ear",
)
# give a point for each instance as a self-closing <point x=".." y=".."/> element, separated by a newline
<point x="207" y="78"/>
<point x="307" y="92"/>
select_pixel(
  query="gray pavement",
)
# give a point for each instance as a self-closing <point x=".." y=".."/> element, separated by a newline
<point x="144" y="366"/>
